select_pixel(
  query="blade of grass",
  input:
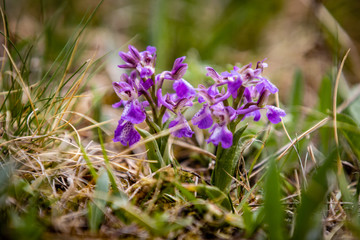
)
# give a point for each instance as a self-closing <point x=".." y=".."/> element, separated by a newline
<point x="334" y="108"/>
<point x="274" y="213"/>
<point x="307" y="217"/>
<point x="22" y="83"/>
<point x="96" y="208"/>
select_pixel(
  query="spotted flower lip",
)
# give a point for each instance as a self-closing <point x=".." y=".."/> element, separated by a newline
<point x="134" y="112"/>
<point x="125" y="133"/>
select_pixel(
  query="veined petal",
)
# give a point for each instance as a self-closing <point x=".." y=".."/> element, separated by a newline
<point x="275" y="114"/>
<point x="178" y="70"/>
<point x="126" y="133"/>
<point x="134" y="112"/>
<point x="130" y="60"/>
<point x="135" y="53"/>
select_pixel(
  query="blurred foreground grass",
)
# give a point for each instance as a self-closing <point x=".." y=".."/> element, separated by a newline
<point x="61" y="175"/>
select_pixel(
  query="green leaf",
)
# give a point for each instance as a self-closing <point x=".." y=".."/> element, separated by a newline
<point x="153" y="150"/>
<point x="226" y="163"/>
<point x="324" y="96"/>
<point x="354" y="110"/>
<point x="109" y="170"/>
<point x="97" y="206"/>
<point x="351" y="131"/>
<point x="297" y="91"/>
<point x="274" y="212"/>
<point x="186" y="193"/>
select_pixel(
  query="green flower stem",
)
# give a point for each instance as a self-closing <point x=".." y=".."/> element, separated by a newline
<point x="226" y="163"/>
<point x="161" y="114"/>
<point x="152" y="105"/>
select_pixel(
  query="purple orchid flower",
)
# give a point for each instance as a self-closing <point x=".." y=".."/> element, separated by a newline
<point x="274" y="114"/>
<point x="127" y="90"/>
<point x="125" y="133"/>
<point x="184" y="128"/>
<point x="175" y="104"/>
<point x="221" y="134"/>
<point x="203" y="118"/>
<point x="134" y="112"/>
<point x="143" y="62"/>
<point x="232" y="79"/>
<point x="182" y="87"/>
<point x="219" y="131"/>
<point x="131" y="58"/>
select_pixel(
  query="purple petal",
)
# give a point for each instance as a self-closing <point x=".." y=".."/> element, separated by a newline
<point x="203" y="118"/>
<point x="146" y="71"/>
<point x="234" y="86"/>
<point x="183" y="89"/>
<point x="134" y="112"/>
<point x="248" y="110"/>
<point x="266" y="85"/>
<point x="184" y="131"/>
<point x="274" y="114"/>
<point x="212" y="90"/>
<point x="179" y="69"/>
<point x="256" y="114"/>
<point x="221" y="134"/>
<point x="126" y="66"/>
<point x="118" y="104"/>
<point x="147" y="84"/>
<point x="126" y="133"/>
<point x="145" y="104"/>
<point x="130" y="60"/>
<point x="213" y="74"/>
<point x="123" y="90"/>
<point x="164" y="100"/>
<point x="135" y="53"/>
<point x="262" y="64"/>
<point x="165" y="117"/>
<point x="151" y="49"/>
<point x="249" y="93"/>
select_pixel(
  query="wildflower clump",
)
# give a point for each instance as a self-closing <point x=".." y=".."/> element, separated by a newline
<point x="142" y="83"/>
<point x="234" y="96"/>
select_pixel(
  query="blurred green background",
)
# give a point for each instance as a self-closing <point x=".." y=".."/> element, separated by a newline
<point x="296" y="34"/>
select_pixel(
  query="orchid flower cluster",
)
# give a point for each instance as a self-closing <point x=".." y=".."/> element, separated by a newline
<point x="234" y="96"/>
